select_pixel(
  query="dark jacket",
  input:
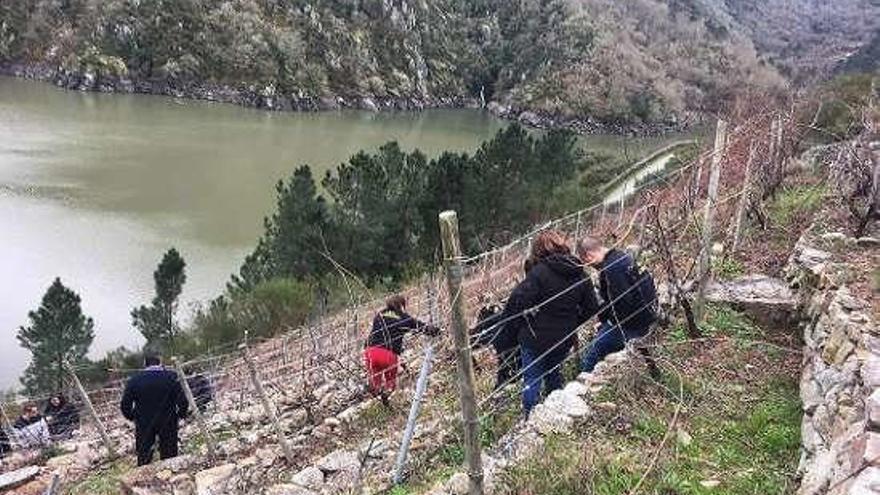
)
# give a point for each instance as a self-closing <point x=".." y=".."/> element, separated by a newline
<point x="23" y="422"/>
<point x="154" y="399"/>
<point x="62" y="418"/>
<point x="621" y="302"/>
<point x="502" y="337"/>
<point x="5" y="444"/>
<point x="390" y="326"/>
<point x="567" y="298"/>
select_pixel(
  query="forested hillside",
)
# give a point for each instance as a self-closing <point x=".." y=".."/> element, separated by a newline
<point x="805" y="39"/>
<point x="640" y="60"/>
<point x="867" y="59"/>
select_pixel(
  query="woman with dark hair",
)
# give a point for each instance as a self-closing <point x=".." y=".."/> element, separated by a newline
<point x="385" y="344"/>
<point x="547" y="307"/>
<point x="61" y="415"/>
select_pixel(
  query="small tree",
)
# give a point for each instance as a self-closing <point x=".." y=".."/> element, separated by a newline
<point x="58" y="332"/>
<point x="156" y="322"/>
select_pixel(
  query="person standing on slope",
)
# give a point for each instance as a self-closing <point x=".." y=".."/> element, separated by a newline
<point x="629" y="301"/>
<point x="154" y="400"/>
<point x="385" y="345"/>
<point x="547" y="307"/>
<point x="502" y="336"/>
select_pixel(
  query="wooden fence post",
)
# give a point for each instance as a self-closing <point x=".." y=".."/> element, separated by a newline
<point x="267" y="405"/>
<point x="709" y="217"/>
<point x="744" y="200"/>
<point x="102" y="431"/>
<point x="467" y="388"/>
<point x="190" y="398"/>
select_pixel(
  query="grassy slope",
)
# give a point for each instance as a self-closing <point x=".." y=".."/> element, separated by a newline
<point x="738" y="430"/>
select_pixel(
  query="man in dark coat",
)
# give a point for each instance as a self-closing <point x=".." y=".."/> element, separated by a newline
<point x="154" y="400"/>
<point x="624" y="313"/>
<point x="547" y="307"/>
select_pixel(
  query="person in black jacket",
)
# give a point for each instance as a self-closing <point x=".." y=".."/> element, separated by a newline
<point x="385" y="344"/>
<point x="5" y="444"/>
<point x="61" y="415"/>
<point x="201" y="388"/>
<point x="502" y="336"/>
<point x="154" y="400"/>
<point x="547" y="307"/>
<point x="624" y="315"/>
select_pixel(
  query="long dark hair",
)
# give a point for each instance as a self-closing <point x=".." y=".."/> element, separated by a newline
<point x="549" y="242"/>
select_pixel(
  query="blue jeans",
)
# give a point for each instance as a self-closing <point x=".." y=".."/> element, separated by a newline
<point x="548" y="368"/>
<point x="609" y="339"/>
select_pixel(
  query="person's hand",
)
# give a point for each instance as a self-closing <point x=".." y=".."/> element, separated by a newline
<point x="597" y="326"/>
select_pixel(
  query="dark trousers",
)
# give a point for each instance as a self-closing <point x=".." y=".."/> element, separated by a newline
<point x="538" y="367"/>
<point x="145" y="440"/>
<point x="610" y="339"/>
<point x="508" y="367"/>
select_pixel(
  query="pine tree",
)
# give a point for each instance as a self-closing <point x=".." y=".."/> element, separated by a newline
<point x="156" y="322"/>
<point x="293" y="241"/>
<point x="59" y="332"/>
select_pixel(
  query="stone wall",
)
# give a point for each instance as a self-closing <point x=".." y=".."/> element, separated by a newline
<point x="840" y="382"/>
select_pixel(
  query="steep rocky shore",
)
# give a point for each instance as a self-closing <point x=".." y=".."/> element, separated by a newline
<point x="249" y="95"/>
<point x="268" y="97"/>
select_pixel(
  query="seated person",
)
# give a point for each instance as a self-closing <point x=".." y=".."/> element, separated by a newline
<point x="31" y="429"/>
<point x="62" y="416"/>
<point x="201" y="388"/>
<point x="5" y="444"/>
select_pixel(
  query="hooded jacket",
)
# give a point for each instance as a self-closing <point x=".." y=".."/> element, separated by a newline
<point x="621" y="302"/>
<point x="566" y="297"/>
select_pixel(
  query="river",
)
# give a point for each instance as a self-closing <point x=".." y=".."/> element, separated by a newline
<point x="94" y="188"/>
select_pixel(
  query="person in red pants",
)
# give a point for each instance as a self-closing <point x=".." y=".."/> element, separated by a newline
<point x="385" y="344"/>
